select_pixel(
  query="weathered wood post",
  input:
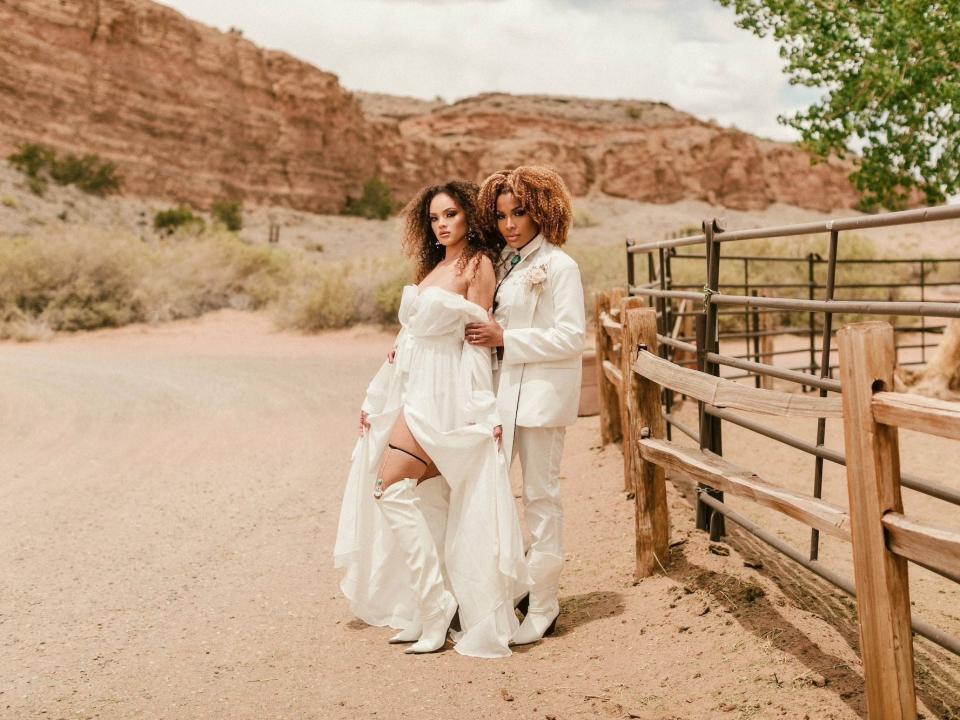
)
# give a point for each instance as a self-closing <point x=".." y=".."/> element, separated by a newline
<point x="609" y="401"/>
<point x="628" y="421"/>
<point x="650" y="501"/>
<point x="867" y="358"/>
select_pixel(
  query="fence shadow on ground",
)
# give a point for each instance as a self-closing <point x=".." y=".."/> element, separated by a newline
<point x="937" y="674"/>
<point x="579" y="610"/>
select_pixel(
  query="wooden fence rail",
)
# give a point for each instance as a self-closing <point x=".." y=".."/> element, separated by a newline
<point x="882" y="538"/>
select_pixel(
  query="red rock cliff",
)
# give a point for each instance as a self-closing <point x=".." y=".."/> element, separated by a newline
<point x="639" y="150"/>
<point x="193" y="114"/>
<point x="186" y="111"/>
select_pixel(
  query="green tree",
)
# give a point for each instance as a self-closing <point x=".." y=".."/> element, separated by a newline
<point x="890" y="71"/>
<point x="376" y="202"/>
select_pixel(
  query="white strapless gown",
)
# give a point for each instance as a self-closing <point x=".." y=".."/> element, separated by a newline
<point x="444" y="386"/>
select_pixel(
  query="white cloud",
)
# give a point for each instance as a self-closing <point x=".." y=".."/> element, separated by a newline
<point x="685" y="52"/>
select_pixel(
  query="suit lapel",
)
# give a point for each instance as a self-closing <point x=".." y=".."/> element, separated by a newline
<point x="521" y="314"/>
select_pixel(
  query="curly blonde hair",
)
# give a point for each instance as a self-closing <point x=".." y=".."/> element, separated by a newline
<point x="419" y="241"/>
<point x="539" y="190"/>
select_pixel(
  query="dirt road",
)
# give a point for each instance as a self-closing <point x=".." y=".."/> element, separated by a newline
<point x="170" y="497"/>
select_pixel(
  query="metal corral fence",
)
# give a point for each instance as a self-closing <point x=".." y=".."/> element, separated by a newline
<point x="641" y="361"/>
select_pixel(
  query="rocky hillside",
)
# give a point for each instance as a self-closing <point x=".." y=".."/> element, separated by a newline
<point x="186" y="111"/>
<point x="192" y="114"/>
<point x="629" y="149"/>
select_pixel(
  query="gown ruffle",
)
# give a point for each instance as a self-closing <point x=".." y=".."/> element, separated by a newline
<point x="444" y="387"/>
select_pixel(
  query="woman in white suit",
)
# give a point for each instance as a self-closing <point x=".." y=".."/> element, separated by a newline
<point x="538" y="327"/>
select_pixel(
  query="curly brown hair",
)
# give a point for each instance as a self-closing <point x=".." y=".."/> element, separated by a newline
<point x="540" y="190"/>
<point x="419" y="241"/>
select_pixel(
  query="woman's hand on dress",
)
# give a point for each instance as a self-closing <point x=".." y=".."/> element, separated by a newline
<point x="364" y="423"/>
<point x="488" y="334"/>
<point x="391" y="356"/>
<point x="498" y="436"/>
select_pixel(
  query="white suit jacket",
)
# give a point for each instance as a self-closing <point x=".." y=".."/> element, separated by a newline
<point x="543" y="338"/>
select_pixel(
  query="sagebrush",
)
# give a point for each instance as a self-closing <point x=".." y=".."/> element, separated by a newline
<point x="89" y="173"/>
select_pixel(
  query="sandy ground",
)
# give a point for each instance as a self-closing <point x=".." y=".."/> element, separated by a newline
<point x="170" y="498"/>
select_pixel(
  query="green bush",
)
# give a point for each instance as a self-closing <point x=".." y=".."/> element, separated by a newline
<point x="32" y="159"/>
<point x="230" y="213"/>
<point x="88" y="172"/>
<point x="377" y="201"/>
<point x="169" y="221"/>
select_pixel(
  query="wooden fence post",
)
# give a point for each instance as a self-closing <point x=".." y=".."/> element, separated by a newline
<point x="650" y="502"/>
<point x="867" y="358"/>
<point x="609" y="401"/>
<point x="628" y="420"/>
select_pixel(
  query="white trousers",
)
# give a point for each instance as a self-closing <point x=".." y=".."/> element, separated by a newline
<point x="540" y="450"/>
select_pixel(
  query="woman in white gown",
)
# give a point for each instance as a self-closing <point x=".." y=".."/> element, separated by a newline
<point x="413" y="554"/>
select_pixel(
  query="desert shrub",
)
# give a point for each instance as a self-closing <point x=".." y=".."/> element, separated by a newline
<point x="314" y="246"/>
<point x="230" y="213"/>
<point x="337" y="295"/>
<point x="89" y="173"/>
<point x="32" y="159"/>
<point x="37" y="185"/>
<point x="322" y="298"/>
<point x="376" y="202"/>
<point x="634" y="113"/>
<point x="389" y="292"/>
<point x="68" y="284"/>
<point x="9" y="202"/>
<point x="169" y="221"/>
<point x="91" y="280"/>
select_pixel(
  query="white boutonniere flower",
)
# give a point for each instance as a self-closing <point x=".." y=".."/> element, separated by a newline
<point x="536" y="277"/>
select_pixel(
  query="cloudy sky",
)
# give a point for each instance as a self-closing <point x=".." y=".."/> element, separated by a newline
<point x="684" y="52"/>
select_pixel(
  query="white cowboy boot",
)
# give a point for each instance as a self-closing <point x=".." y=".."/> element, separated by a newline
<point x="434" y="503"/>
<point x="544" y="606"/>
<point x="399" y="506"/>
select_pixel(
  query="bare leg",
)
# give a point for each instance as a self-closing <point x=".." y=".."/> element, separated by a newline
<point x="404" y="459"/>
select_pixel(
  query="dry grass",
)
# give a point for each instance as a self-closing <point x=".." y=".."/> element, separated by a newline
<point x="84" y="278"/>
<point x="88" y="279"/>
<point x="321" y="297"/>
<point x="92" y="279"/>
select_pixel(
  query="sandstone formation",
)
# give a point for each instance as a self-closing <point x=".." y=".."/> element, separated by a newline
<point x="638" y="150"/>
<point x="193" y="114"/>
<point x="186" y="112"/>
